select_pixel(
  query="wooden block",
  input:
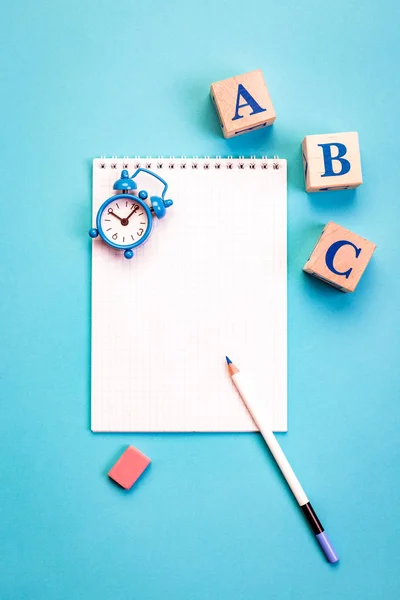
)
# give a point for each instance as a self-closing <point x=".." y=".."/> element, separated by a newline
<point x="129" y="467"/>
<point x="340" y="257"/>
<point x="243" y="103"/>
<point x="331" y="162"/>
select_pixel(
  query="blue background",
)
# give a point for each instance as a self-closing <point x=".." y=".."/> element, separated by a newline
<point x="211" y="518"/>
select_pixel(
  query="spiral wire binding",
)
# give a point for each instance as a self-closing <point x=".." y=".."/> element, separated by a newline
<point x="194" y="163"/>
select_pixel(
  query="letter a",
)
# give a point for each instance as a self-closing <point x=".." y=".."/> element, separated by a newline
<point x="328" y="159"/>
<point x="249" y="101"/>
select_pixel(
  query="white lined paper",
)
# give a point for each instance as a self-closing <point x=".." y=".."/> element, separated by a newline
<point x="210" y="281"/>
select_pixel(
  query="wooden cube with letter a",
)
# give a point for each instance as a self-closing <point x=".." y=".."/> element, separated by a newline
<point x="331" y="162"/>
<point x="243" y="103"/>
<point x="340" y="257"/>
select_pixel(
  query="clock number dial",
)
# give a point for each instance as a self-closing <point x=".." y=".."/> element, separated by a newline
<point x="124" y="222"/>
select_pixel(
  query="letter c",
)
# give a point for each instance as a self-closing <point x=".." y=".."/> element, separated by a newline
<point x="331" y="253"/>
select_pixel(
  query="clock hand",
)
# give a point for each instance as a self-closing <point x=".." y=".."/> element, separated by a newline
<point x="111" y="212"/>
<point x="134" y="210"/>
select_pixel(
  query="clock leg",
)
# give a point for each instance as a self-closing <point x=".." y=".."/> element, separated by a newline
<point x="128" y="253"/>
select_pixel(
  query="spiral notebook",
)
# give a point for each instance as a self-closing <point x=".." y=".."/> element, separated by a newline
<point x="210" y="281"/>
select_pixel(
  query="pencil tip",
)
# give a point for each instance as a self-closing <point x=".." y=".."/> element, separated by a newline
<point x="228" y="360"/>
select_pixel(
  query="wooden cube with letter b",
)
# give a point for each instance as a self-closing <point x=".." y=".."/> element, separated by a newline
<point x="243" y="103"/>
<point x="340" y="257"/>
<point x="331" y="162"/>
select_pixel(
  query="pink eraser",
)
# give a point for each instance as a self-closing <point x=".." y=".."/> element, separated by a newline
<point x="129" y="467"/>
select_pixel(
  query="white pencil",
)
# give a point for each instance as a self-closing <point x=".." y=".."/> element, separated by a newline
<point x="257" y="411"/>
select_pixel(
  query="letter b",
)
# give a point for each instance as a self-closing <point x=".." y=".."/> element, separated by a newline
<point x="328" y="159"/>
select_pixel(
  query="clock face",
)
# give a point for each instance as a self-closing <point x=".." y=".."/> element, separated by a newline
<point x="125" y="222"/>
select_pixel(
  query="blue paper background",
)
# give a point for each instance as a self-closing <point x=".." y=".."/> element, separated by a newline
<point x="211" y="518"/>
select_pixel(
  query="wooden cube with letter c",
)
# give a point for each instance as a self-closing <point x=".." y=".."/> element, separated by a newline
<point x="340" y="257"/>
<point x="243" y="103"/>
<point x="331" y="162"/>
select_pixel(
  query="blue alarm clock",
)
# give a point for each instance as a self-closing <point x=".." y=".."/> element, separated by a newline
<point x="125" y="220"/>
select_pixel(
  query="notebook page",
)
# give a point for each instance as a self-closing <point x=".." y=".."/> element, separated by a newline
<point x="210" y="281"/>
